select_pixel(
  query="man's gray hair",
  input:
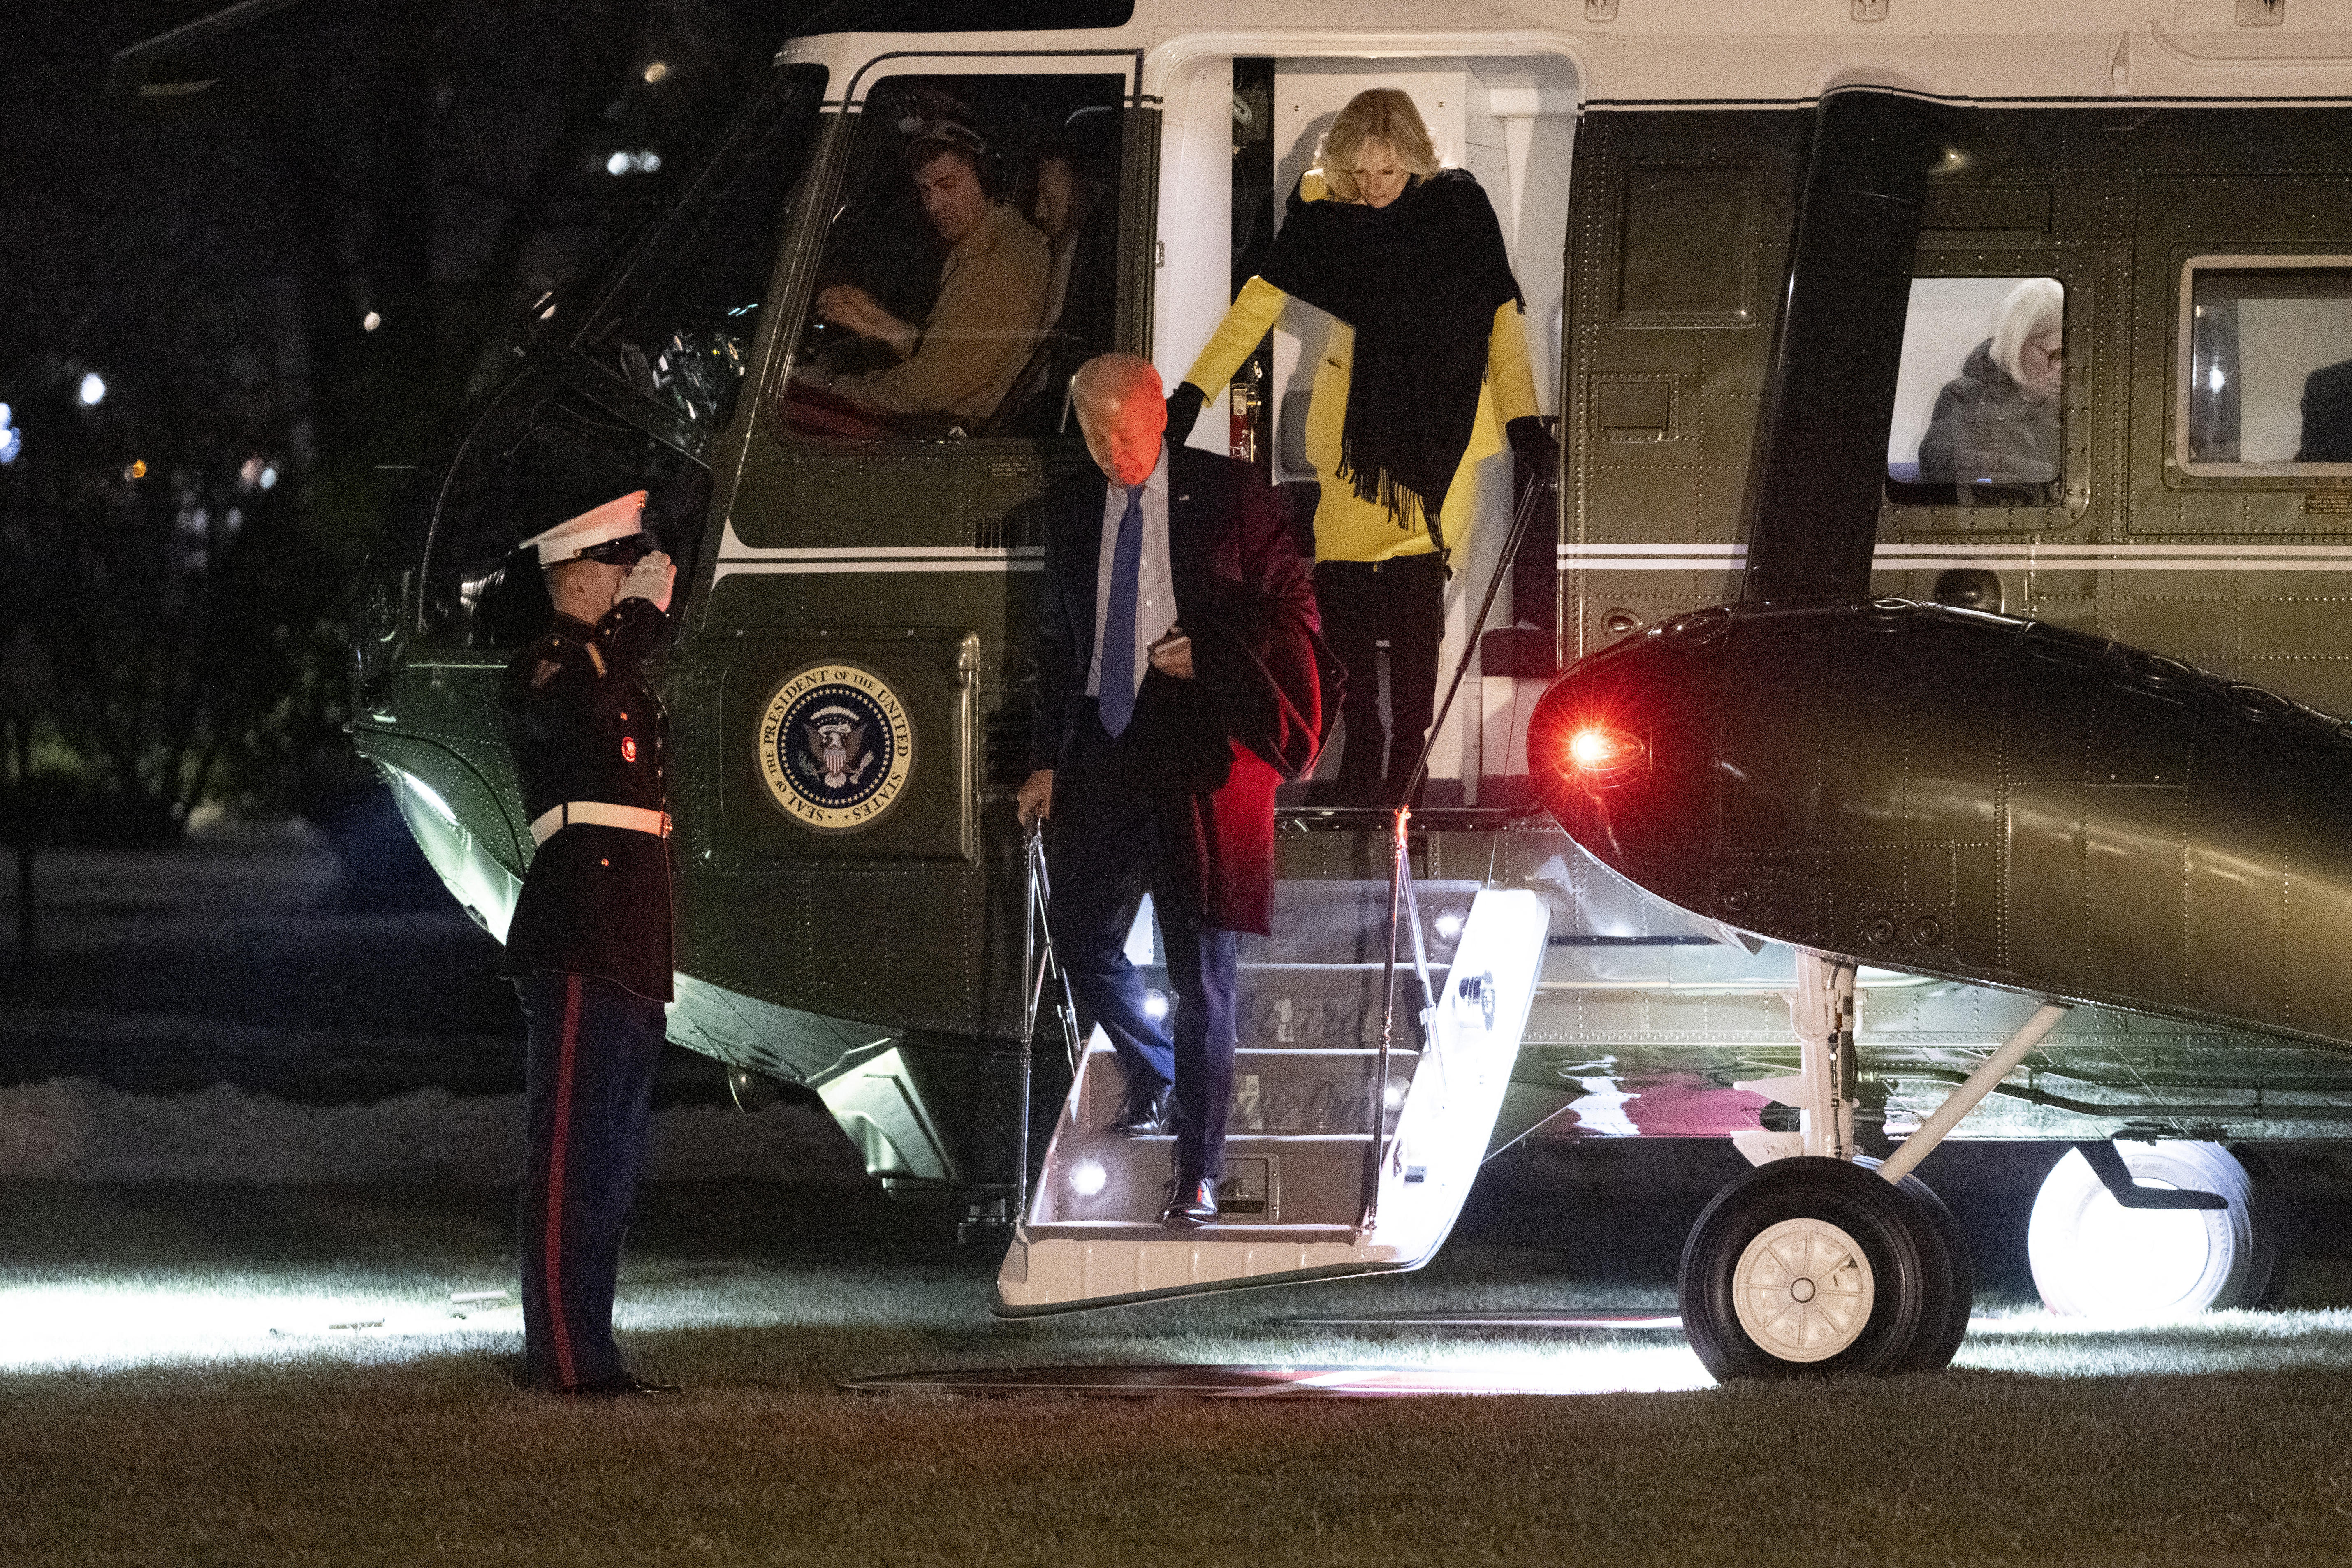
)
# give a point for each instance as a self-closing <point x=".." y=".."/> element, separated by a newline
<point x="1113" y="376"/>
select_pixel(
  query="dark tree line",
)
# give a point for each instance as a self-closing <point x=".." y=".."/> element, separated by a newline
<point x="292" y="283"/>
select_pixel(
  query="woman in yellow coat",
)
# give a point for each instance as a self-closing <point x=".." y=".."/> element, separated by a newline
<point x="1424" y="376"/>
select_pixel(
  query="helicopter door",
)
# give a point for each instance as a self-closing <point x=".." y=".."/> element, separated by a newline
<point x="868" y="614"/>
<point x="1238" y="134"/>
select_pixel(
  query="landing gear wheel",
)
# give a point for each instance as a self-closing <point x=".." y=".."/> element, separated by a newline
<point x="1933" y="1350"/>
<point x="1810" y="1267"/>
<point x="2092" y="1257"/>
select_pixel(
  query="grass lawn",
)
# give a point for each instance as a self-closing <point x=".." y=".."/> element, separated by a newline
<point x="172" y="1389"/>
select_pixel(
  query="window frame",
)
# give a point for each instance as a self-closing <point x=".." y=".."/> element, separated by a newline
<point x="2010" y="498"/>
<point x="789" y="323"/>
<point x="2289" y="475"/>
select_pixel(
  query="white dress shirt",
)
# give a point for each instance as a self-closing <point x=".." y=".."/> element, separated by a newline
<point x="1155" y="587"/>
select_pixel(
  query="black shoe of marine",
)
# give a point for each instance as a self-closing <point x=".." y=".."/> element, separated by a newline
<point x="1195" y="1205"/>
<point x="1145" y="1117"/>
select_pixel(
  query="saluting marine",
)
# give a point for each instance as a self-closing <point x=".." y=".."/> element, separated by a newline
<point x="589" y="950"/>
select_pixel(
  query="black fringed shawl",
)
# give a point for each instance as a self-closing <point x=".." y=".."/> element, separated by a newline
<point x="1420" y="280"/>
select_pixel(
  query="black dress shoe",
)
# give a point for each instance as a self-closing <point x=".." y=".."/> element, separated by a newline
<point x="1145" y="1117"/>
<point x="619" y="1387"/>
<point x="1195" y="1205"/>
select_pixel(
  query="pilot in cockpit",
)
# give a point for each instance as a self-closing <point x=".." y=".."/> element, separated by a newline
<point x="961" y="362"/>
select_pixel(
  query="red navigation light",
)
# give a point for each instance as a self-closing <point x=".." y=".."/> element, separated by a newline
<point x="1598" y="754"/>
<point x="1592" y="748"/>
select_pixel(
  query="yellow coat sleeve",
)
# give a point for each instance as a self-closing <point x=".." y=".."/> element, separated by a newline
<point x="1251" y="317"/>
<point x="1508" y="372"/>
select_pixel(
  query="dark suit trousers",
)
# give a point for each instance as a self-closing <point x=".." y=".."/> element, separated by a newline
<point x="1109" y="843"/>
<point x="588" y="1079"/>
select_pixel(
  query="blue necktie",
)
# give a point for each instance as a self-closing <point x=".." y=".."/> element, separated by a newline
<point x="1119" y="623"/>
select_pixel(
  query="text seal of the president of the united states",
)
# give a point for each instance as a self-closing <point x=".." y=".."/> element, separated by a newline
<point x="835" y="746"/>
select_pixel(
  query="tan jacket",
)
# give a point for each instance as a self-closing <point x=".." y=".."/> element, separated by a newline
<point x="980" y="334"/>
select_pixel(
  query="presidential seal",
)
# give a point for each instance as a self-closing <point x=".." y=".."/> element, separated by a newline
<point x="835" y="746"/>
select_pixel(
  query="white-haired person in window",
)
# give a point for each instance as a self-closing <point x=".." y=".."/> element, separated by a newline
<point x="1997" y="423"/>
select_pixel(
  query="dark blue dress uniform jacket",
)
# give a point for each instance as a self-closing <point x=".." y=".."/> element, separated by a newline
<point x="584" y="725"/>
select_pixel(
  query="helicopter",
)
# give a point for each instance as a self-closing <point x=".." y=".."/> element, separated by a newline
<point x="1799" y="790"/>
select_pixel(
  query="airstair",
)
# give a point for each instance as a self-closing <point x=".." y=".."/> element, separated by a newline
<point x="1344" y="1155"/>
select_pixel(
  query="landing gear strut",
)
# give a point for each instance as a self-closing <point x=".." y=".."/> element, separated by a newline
<point x="1820" y="1261"/>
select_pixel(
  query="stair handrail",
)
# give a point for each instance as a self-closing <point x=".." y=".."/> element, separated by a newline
<point x="1403" y="905"/>
<point x="1037" y="959"/>
<point x="1037" y="963"/>
<point x="1533" y="491"/>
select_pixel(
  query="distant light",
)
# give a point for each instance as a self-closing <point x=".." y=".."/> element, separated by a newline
<point x="641" y="163"/>
<point x="12" y="441"/>
<point x="650" y="161"/>
<point x="618" y="164"/>
<point x="137" y="470"/>
<point x="1087" y="1177"/>
<point x="371" y="322"/>
<point x="268" y="477"/>
<point x="1155" y="1005"/>
<point x="657" y="72"/>
<point x="1449" y="925"/>
<point x="93" y="390"/>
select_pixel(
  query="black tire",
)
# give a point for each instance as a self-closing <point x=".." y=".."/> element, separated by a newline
<point x="1868" y="1272"/>
<point x="1934" y="1350"/>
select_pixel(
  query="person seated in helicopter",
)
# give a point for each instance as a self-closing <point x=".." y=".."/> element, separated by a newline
<point x="1997" y="423"/>
<point x="959" y="362"/>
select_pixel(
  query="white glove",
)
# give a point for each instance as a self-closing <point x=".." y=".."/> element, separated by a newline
<point x="650" y="578"/>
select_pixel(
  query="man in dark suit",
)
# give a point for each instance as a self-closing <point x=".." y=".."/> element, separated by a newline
<point x="2327" y="414"/>
<point x="1177" y="683"/>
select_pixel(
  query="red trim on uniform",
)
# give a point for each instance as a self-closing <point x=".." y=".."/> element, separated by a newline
<point x="566" y="1057"/>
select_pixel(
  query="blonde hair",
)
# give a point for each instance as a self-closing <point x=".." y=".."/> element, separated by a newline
<point x="1376" y="114"/>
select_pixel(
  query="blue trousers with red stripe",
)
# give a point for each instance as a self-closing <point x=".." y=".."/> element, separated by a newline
<point x="587" y="1096"/>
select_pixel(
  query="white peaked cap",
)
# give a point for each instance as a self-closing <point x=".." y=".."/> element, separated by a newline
<point x="615" y="520"/>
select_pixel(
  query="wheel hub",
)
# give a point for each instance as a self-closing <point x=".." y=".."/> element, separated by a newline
<point x="1803" y="1290"/>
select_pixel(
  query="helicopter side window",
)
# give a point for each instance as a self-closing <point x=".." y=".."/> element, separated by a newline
<point x="678" y="329"/>
<point x="972" y="267"/>
<point x="2265" y="366"/>
<point x="538" y="457"/>
<point x="1979" y="406"/>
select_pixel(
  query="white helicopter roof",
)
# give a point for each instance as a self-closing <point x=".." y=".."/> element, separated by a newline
<point x="1718" y="54"/>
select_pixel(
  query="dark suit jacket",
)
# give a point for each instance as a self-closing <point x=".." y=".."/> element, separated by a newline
<point x="1212" y="748"/>
<point x="2327" y="414"/>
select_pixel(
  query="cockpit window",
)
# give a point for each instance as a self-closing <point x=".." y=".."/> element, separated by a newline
<point x="1979" y="406"/>
<point x="972" y="266"/>
<point x="678" y="329"/>
<point x="2265" y="378"/>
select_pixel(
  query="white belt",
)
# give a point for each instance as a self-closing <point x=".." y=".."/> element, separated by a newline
<point x="596" y="811"/>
